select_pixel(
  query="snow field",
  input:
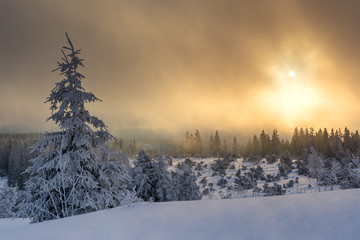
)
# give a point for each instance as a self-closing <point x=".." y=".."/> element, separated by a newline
<point x="325" y="215"/>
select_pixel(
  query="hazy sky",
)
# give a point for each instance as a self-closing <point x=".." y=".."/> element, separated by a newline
<point x="178" y="65"/>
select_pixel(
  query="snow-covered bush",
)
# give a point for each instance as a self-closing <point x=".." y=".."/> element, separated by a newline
<point x="206" y="191"/>
<point x="271" y="158"/>
<point x="290" y="184"/>
<point x="349" y="176"/>
<point x="222" y="182"/>
<point x="257" y="172"/>
<point x="130" y="198"/>
<point x="274" y="190"/>
<point x="220" y="166"/>
<point x="302" y="169"/>
<point x="286" y="159"/>
<point x="245" y="182"/>
<point x="284" y="170"/>
<point x="199" y="166"/>
<point x="272" y="178"/>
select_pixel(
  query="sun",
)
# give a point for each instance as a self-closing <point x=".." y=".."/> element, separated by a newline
<point x="293" y="101"/>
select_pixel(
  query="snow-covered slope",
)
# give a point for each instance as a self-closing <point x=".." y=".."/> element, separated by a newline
<point x="325" y="215"/>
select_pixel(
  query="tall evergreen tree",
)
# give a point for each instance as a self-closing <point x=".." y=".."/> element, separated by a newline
<point x="211" y="145"/>
<point x="5" y="147"/>
<point x="355" y="142"/>
<point x="67" y="177"/>
<point x="255" y="147"/>
<point x="275" y="142"/>
<point x="265" y="144"/>
<point x="235" y="147"/>
<point x="216" y="144"/>
<point x="347" y="139"/>
<point x="295" y="144"/>
<point x="198" y="143"/>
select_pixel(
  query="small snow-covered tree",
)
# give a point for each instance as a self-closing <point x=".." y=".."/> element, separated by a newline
<point x="349" y="176"/>
<point x="143" y="176"/>
<point x="163" y="181"/>
<point x="184" y="186"/>
<point x="67" y="177"/>
<point x="7" y="201"/>
<point x="151" y="179"/>
<point x="315" y="164"/>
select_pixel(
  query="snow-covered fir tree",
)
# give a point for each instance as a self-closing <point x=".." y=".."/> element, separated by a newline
<point x="143" y="176"/>
<point x="184" y="186"/>
<point x="163" y="183"/>
<point x="8" y="197"/>
<point x="151" y="178"/>
<point x="67" y="177"/>
<point x="349" y="176"/>
<point x="315" y="164"/>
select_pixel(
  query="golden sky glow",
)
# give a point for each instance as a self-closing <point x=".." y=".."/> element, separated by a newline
<point x="178" y="65"/>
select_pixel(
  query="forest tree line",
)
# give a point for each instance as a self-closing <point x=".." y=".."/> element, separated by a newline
<point x="15" y="149"/>
<point x="334" y="144"/>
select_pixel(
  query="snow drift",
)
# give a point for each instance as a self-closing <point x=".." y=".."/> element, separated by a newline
<point x="325" y="215"/>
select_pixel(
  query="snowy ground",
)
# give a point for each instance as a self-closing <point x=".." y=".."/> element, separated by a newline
<point x="325" y="215"/>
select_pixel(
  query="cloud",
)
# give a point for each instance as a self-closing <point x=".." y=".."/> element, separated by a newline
<point x="175" y="65"/>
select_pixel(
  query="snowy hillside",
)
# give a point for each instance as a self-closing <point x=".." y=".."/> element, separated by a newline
<point x="202" y="167"/>
<point x="325" y="215"/>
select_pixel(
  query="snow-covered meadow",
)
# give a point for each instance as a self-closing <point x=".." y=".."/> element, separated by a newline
<point x="325" y="215"/>
<point x="302" y="184"/>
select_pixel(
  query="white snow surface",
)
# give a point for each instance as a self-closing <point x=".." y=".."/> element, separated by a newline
<point x="324" y="215"/>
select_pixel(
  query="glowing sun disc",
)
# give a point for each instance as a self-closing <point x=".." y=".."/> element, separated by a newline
<point x="292" y="74"/>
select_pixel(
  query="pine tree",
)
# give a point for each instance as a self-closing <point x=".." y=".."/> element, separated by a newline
<point x="265" y="144"/>
<point x="198" y="143"/>
<point x="355" y="142"/>
<point x="67" y="177"/>
<point x="143" y="177"/>
<point x="15" y="157"/>
<point x="235" y="147"/>
<point x="315" y="164"/>
<point x="248" y="148"/>
<point x="7" y="201"/>
<point x="163" y="183"/>
<point x="5" y="148"/>
<point x="255" y="147"/>
<point x="211" y="145"/>
<point x="346" y="139"/>
<point x="275" y="143"/>
<point x="184" y="186"/>
<point x="295" y="143"/>
<point x="216" y="144"/>
<point x="151" y="179"/>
